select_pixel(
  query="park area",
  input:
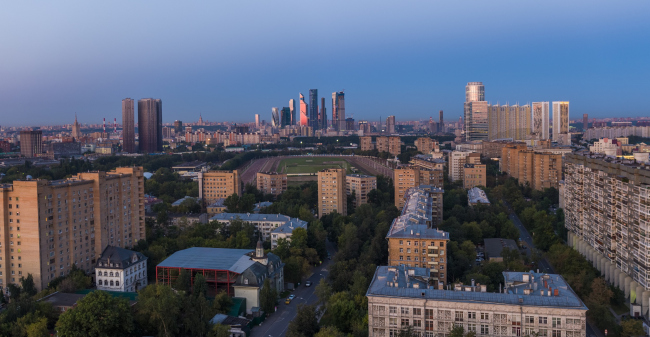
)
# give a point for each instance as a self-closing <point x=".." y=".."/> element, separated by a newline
<point x="311" y="165"/>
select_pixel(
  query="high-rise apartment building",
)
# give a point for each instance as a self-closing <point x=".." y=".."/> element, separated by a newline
<point x="257" y="121"/>
<point x="128" y="126"/>
<point x="407" y="177"/>
<point x="539" y="169"/>
<point x="427" y="145"/>
<point x="338" y="110"/>
<point x="475" y="112"/>
<point x="31" y="143"/>
<point x="457" y="161"/>
<point x="332" y="192"/>
<point x="49" y="226"/>
<point x="540" y="120"/>
<point x="292" y="106"/>
<point x="585" y="122"/>
<point x="474" y="175"/>
<point x="360" y="185"/>
<point x="561" y="123"/>
<point x="178" y="125"/>
<point x="271" y="182"/>
<point x="322" y="117"/>
<point x="150" y="125"/>
<point x="607" y="214"/>
<point x="394" y="145"/>
<point x="313" y="109"/>
<point x="366" y="143"/>
<point x="441" y="123"/>
<point x="214" y="185"/>
<point x="509" y="121"/>
<point x="402" y="297"/>
<point x="304" y="118"/>
<point x="390" y="125"/>
<point x="365" y="127"/>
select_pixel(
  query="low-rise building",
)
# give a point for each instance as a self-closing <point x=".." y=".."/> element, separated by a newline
<point x="193" y="166"/>
<point x="494" y="246"/>
<point x="477" y="196"/>
<point x="606" y="146"/>
<point x="360" y="185"/>
<point x="216" y="207"/>
<point x="119" y="269"/>
<point x="264" y="223"/>
<point x="183" y="220"/>
<point x="271" y="182"/>
<point x="286" y="231"/>
<point x="401" y="297"/>
<point x="428" y="161"/>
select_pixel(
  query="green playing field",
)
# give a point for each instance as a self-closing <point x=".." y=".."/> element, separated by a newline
<point x="305" y="165"/>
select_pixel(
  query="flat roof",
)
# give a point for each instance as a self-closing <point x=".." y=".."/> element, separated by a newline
<point x="234" y="260"/>
<point x="494" y="246"/>
<point x="248" y="217"/>
<point x="476" y="195"/>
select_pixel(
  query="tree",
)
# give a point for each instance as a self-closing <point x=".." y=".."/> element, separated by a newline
<point x="222" y="303"/>
<point x="183" y="281"/>
<point x="38" y="328"/>
<point x="27" y="285"/>
<point x="631" y="327"/>
<point x="268" y="297"/>
<point x="158" y="309"/>
<point x="196" y="315"/>
<point x="219" y="330"/>
<point x="329" y="331"/>
<point x="200" y="286"/>
<point x="600" y="293"/>
<point x="305" y="324"/>
<point x="323" y="291"/>
<point x="97" y="314"/>
<point x="14" y="291"/>
<point x="457" y="331"/>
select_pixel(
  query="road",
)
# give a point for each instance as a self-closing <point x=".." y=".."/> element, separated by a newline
<point x="276" y="324"/>
<point x="544" y="266"/>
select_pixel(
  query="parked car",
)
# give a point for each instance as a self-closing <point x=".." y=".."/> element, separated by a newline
<point x="308" y="284"/>
<point x="287" y="301"/>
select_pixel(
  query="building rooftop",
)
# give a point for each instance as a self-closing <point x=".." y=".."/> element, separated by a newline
<point x="116" y="257"/>
<point x="429" y="158"/>
<point x="190" y="165"/>
<point x="360" y="176"/>
<point x="234" y="260"/>
<point x="289" y="226"/>
<point x="493" y="247"/>
<point x="180" y="201"/>
<point x="252" y="217"/>
<point x="260" y="205"/>
<point x="476" y="195"/>
<point x="525" y="289"/>
<point x="417" y="216"/>
<point x="218" y="203"/>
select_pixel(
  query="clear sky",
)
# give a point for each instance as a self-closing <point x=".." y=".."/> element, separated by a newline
<point x="228" y="60"/>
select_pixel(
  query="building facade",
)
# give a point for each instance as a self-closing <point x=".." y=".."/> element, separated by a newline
<point x="540" y="125"/>
<point x="85" y="213"/>
<point x="31" y="143"/>
<point x="537" y="168"/>
<point x="457" y="161"/>
<point x="561" y="123"/>
<point x="390" y="125"/>
<point x="360" y="185"/>
<point x="338" y="110"/>
<point x="408" y="177"/>
<point x="215" y="185"/>
<point x="271" y="182"/>
<point x="313" y="109"/>
<point x="120" y="269"/>
<point x="509" y="121"/>
<point x="128" y="126"/>
<point x="366" y="143"/>
<point x="332" y="192"/>
<point x="304" y="114"/>
<point x="474" y="175"/>
<point x="265" y="224"/>
<point x="150" y="125"/>
<point x="427" y="145"/>
<point x="606" y="146"/>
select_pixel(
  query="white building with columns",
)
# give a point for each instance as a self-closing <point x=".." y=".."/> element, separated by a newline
<point x="120" y="269"/>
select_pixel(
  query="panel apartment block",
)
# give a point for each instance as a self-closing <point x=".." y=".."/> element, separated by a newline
<point x="332" y="192"/>
<point x="271" y="183"/>
<point x="48" y="226"/>
<point x="214" y="185"/>
<point x="412" y="176"/>
<point x="361" y="185"/>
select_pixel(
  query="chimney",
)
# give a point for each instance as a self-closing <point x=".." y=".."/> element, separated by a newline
<point x="556" y="292"/>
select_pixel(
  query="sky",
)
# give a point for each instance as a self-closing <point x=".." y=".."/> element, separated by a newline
<point x="229" y="60"/>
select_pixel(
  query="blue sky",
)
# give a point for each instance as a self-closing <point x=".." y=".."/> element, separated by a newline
<point x="229" y="60"/>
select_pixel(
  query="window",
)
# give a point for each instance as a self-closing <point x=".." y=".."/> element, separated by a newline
<point x="459" y="316"/>
<point x="485" y="316"/>
<point x="485" y="329"/>
<point x="516" y="331"/>
<point x="471" y="327"/>
<point x="428" y="313"/>
<point x="417" y="323"/>
<point x="428" y="325"/>
<point x="557" y="333"/>
<point x="471" y="315"/>
<point x="405" y="310"/>
<point x="543" y="333"/>
<point x="392" y="310"/>
<point x="392" y="321"/>
<point x="405" y="322"/>
<point x="99" y="282"/>
<point x="417" y="312"/>
<point x="117" y="283"/>
<point x="557" y="322"/>
<point x="400" y="241"/>
<point x="401" y="250"/>
<point x="529" y="319"/>
<point x="542" y="320"/>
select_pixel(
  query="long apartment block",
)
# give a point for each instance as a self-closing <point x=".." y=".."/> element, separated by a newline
<point x="49" y="226"/>
<point x="607" y="212"/>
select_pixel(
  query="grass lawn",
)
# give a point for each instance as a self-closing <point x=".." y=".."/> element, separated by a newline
<point x="312" y="164"/>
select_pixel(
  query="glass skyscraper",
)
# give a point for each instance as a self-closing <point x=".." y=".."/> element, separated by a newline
<point x="313" y="108"/>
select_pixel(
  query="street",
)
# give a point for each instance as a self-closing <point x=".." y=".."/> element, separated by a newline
<point x="276" y="324"/>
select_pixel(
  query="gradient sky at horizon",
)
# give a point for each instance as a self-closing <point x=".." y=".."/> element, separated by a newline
<point x="229" y="60"/>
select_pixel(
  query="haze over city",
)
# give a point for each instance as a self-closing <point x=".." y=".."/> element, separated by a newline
<point x="230" y="60"/>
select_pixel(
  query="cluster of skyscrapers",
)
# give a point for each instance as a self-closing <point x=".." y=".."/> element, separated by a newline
<point x="484" y="121"/>
<point x="149" y="125"/>
<point x="310" y="113"/>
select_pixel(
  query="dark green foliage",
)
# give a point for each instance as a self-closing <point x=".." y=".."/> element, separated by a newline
<point x="305" y="324"/>
<point x="97" y="314"/>
<point x="268" y="297"/>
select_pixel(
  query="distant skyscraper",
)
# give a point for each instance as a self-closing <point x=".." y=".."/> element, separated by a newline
<point x="285" y="116"/>
<point x="178" y="126"/>
<point x="31" y="143"/>
<point x="441" y="124"/>
<point x="338" y="110"/>
<point x="313" y="109"/>
<point x="475" y="112"/>
<point x="540" y="120"/>
<point x="257" y="121"/>
<point x="275" y="117"/>
<point x="561" y="123"/>
<point x="76" y="129"/>
<point x="585" y="122"/>
<point x="304" y="118"/>
<point x="390" y="124"/>
<point x="292" y="107"/>
<point x="150" y="125"/>
<point x="323" y="114"/>
<point x="128" y="126"/>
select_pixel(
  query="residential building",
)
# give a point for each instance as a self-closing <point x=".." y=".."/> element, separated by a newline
<point x="606" y="213"/>
<point x="216" y="207"/>
<point x="561" y="123"/>
<point x="413" y="237"/>
<point x="429" y="162"/>
<point x="427" y="145"/>
<point x="150" y="125"/>
<point x="332" y="192"/>
<point x="257" y="121"/>
<point x="119" y="269"/>
<point x="394" y="146"/>
<point x="85" y="213"/>
<point x="615" y="132"/>
<point x="408" y="177"/>
<point x="338" y="110"/>
<point x="457" y="161"/>
<point x="214" y="185"/>
<point x="401" y="297"/>
<point x="477" y="196"/>
<point x="540" y="120"/>
<point x="271" y="182"/>
<point x="265" y="224"/>
<point x="128" y="126"/>
<point x="381" y="143"/>
<point x="390" y="125"/>
<point x="360" y="185"/>
<point x="475" y="112"/>
<point x="494" y="148"/>
<point x="606" y="146"/>
<point x="237" y="272"/>
<point x="31" y="143"/>
<point x="537" y="168"/>
<point x="509" y="121"/>
<point x="474" y="175"/>
<point x="585" y="122"/>
<point x="178" y="125"/>
<point x="313" y="109"/>
<point x="366" y="143"/>
<point x="304" y="117"/>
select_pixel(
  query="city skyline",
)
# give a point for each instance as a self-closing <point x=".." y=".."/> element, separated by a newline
<point x="601" y="71"/>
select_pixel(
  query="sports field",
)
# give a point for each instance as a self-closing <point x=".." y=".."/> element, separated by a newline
<point x="310" y="165"/>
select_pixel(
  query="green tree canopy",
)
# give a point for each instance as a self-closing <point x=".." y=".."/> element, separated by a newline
<point x="97" y="314"/>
